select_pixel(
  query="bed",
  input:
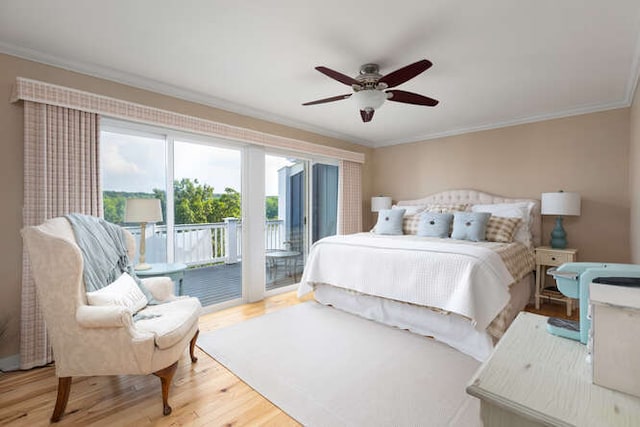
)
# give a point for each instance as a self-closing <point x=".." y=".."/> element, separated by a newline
<point x="462" y="293"/>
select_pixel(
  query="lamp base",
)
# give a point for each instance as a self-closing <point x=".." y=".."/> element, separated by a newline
<point x="558" y="235"/>
<point x="144" y="266"/>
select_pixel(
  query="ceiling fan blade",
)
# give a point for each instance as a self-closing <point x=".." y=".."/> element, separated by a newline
<point x="405" y="73"/>
<point x="333" y="98"/>
<point x="366" y="115"/>
<point x="342" y="78"/>
<point x="411" y="98"/>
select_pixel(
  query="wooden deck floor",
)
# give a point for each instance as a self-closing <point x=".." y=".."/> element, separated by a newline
<point x="223" y="282"/>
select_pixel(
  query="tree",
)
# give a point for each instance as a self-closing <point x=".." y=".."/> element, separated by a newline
<point x="230" y="204"/>
<point x="194" y="203"/>
<point x="271" y="207"/>
<point x="197" y="203"/>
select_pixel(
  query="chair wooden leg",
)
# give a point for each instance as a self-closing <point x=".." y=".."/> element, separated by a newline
<point x="166" y="376"/>
<point x="64" y="387"/>
<point x="192" y="346"/>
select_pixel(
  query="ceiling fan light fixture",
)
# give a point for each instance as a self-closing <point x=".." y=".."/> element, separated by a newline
<point x="369" y="87"/>
<point x="369" y="99"/>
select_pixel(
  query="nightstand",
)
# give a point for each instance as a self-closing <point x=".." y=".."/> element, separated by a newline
<point x="546" y="257"/>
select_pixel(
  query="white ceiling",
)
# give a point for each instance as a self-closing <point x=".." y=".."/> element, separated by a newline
<point x="496" y="62"/>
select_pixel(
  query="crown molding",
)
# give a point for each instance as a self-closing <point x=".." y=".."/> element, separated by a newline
<point x="192" y="96"/>
<point x="634" y="73"/>
<point x="508" y="123"/>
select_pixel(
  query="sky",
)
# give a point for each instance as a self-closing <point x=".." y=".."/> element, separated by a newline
<point x="138" y="163"/>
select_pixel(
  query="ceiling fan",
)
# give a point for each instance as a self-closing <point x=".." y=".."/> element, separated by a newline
<point x="369" y="87"/>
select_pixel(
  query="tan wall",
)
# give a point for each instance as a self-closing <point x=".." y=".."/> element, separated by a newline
<point x="587" y="154"/>
<point x="12" y="159"/>
<point x="634" y="176"/>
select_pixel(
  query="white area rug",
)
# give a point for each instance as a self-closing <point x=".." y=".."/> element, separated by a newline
<point x="325" y="367"/>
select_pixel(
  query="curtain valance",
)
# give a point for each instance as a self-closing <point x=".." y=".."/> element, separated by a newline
<point x="47" y="93"/>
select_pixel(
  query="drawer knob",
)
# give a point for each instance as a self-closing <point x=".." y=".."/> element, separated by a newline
<point x="553" y="258"/>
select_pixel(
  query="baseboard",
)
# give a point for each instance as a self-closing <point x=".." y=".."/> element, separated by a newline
<point x="10" y="363"/>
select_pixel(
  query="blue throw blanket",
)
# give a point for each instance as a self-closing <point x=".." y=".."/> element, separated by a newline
<point x="104" y="251"/>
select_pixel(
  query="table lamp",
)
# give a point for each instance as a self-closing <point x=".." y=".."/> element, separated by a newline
<point x="379" y="203"/>
<point x="559" y="204"/>
<point x="142" y="211"/>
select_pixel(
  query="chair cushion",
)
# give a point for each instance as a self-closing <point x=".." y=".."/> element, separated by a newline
<point x="169" y="322"/>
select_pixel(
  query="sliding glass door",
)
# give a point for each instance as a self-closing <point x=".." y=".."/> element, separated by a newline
<point x="208" y="227"/>
<point x="295" y="200"/>
<point x="198" y="184"/>
<point x="208" y="219"/>
<point x="286" y="228"/>
<point x="134" y="166"/>
<point x="324" y="205"/>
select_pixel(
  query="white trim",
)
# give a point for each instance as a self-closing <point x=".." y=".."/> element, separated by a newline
<point x="187" y="95"/>
<point x="37" y="91"/>
<point x="253" y="224"/>
<point x="507" y="123"/>
<point x="10" y="363"/>
<point x="634" y="73"/>
<point x="281" y="290"/>
<point x="221" y="306"/>
<point x="170" y="220"/>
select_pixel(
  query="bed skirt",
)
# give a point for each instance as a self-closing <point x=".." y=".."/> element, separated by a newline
<point x="449" y="328"/>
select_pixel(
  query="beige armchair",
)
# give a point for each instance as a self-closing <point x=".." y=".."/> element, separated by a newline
<point x="90" y="340"/>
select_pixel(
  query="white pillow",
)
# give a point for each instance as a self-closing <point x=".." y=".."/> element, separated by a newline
<point x="123" y="292"/>
<point x="410" y="210"/>
<point x="513" y="210"/>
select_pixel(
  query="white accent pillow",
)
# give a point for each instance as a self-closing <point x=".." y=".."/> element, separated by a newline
<point x="123" y="292"/>
<point x="411" y="209"/>
<point x="513" y="210"/>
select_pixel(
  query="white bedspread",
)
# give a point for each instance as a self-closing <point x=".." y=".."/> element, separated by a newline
<point x="465" y="279"/>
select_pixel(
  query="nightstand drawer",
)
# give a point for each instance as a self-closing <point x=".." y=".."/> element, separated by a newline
<point x="554" y="258"/>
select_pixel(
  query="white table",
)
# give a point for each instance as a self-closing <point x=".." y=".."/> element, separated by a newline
<point x="173" y="271"/>
<point x="534" y="378"/>
<point x="289" y="258"/>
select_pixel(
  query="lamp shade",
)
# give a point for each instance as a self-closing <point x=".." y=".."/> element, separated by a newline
<point x="560" y="203"/>
<point x="379" y="203"/>
<point x="142" y="210"/>
<point x="369" y="99"/>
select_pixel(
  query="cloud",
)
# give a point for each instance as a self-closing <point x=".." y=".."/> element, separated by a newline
<point x="115" y="163"/>
<point x="138" y="163"/>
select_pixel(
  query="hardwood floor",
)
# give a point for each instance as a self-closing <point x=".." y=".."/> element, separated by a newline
<point x="554" y="309"/>
<point x="204" y="393"/>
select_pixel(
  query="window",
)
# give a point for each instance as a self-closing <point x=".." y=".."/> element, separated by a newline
<point x="134" y="165"/>
<point x="200" y="182"/>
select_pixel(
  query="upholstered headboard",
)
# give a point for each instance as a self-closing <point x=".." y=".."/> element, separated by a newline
<point x="479" y="197"/>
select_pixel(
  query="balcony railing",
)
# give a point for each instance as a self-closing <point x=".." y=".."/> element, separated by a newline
<point x="199" y="244"/>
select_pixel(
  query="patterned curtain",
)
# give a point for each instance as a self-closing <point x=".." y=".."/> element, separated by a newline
<point x="61" y="175"/>
<point x="350" y="181"/>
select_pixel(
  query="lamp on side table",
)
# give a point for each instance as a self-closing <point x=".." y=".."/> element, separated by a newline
<point x="142" y="211"/>
<point x="559" y="204"/>
<point x="379" y="203"/>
